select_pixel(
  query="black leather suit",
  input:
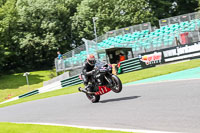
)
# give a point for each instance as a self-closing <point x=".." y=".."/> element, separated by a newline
<point x="87" y="71"/>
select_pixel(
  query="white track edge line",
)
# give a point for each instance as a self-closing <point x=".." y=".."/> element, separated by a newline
<point x="98" y="128"/>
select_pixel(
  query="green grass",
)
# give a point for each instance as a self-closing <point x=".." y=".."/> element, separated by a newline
<point x="127" y="77"/>
<point x="64" y="91"/>
<point x="159" y="70"/>
<point x="34" y="128"/>
<point x="15" y="84"/>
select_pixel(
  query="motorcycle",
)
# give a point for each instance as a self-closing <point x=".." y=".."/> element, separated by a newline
<point x="102" y="81"/>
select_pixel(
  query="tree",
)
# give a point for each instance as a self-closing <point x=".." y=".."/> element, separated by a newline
<point x="160" y="9"/>
<point x="2" y="57"/>
<point x="169" y="8"/>
<point x="8" y="18"/>
<point x="112" y="14"/>
<point x="31" y="31"/>
<point x="2" y="2"/>
<point x="43" y="29"/>
<point x="184" y="6"/>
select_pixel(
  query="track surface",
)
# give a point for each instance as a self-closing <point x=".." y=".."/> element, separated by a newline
<point x="165" y="106"/>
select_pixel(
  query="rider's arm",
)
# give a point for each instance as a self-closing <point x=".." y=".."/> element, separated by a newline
<point x="84" y="71"/>
<point x="90" y="73"/>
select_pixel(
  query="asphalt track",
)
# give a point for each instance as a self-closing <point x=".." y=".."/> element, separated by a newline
<point x="172" y="106"/>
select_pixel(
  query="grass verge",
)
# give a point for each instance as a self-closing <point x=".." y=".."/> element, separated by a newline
<point x="158" y="71"/>
<point x="34" y="128"/>
<point x="64" y="91"/>
<point x="127" y="77"/>
<point x="15" y="84"/>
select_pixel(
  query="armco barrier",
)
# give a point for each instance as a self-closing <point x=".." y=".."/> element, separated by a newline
<point x="132" y="64"/>
<point x="71" y="81"/>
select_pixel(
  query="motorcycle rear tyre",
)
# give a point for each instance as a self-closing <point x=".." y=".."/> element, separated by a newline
<point x="93" y="98"/>
<point x="118" y="82"/>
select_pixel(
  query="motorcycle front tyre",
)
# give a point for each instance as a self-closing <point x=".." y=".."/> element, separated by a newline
<point x="117" y="84"/>
<point x="93" y="98"/>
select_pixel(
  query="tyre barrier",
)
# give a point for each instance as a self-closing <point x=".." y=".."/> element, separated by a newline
<point x="71" y="81"/>
<point x="130" y="65"/>
<point x="22" y="96"/>
<point x="29" y="93"/>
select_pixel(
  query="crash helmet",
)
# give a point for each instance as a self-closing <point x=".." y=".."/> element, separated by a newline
<point x="91" y="59"/>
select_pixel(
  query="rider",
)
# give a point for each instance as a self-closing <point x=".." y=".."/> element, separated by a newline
<point x="88" y="70"/>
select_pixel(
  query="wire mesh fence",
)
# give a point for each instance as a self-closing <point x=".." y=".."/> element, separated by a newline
<point x="138" y="47"/>
<point x="178" y="30"/>
<point x="126" y="30"/>
<point x="179" y="19"/>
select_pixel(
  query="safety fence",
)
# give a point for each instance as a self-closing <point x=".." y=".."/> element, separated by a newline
<point x="162" y="38"/>
<point x="84" y="49"/>
<point x="172" y="30"/>
<point x="179" y="19"/>
<point x="126" y="30"/>
<point x="76" y="57"/>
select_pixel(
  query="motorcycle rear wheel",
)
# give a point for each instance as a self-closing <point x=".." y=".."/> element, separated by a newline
<point x="93" y="98"/>
<point x="117" y="84"/>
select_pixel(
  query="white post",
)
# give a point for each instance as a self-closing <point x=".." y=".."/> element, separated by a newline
<point x="26" y="74"/>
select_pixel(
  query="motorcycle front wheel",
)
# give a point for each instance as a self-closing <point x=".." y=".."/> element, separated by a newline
<point x="117" y="84"/>
<point x="93" y="98"/>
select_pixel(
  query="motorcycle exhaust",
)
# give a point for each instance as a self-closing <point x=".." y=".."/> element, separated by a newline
<point x="85" y="91"/>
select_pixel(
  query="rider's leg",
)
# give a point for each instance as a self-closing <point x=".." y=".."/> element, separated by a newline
<point x="85" y="79"/>
<point x="93" y="87"/>
<point x="85" y="82"/>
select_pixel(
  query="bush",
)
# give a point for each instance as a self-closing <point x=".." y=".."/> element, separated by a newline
<point x="52" y="73"/>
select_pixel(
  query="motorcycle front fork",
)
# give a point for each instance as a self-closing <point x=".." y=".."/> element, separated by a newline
<point x="110" y="83"/>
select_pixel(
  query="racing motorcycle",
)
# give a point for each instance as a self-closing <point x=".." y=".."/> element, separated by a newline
<point x="102" y="82"/>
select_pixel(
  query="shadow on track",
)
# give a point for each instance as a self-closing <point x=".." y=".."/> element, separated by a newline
<point x="119" y="99"/>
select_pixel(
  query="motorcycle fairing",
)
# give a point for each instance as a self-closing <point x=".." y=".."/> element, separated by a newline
<point x="102" y="90"/>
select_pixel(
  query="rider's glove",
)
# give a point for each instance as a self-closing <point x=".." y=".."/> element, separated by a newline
<point x="91" y="72"/>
